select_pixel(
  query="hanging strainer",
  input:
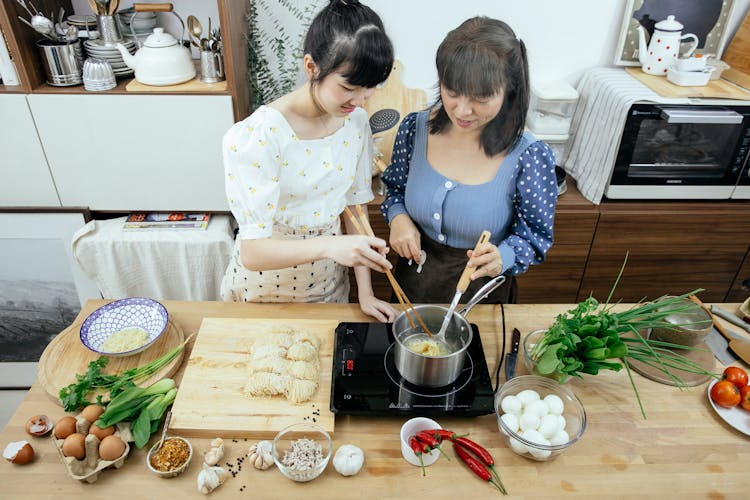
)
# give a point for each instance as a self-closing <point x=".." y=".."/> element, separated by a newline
<point x="383" y="119"/>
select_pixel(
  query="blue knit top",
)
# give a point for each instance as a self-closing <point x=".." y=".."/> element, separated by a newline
<point x="517" y="206"/>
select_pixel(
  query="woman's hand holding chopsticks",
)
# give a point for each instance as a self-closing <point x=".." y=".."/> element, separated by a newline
<point x="359" y="250"/>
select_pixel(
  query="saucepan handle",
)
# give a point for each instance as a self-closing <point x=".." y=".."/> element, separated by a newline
<point x="482" y="294"/>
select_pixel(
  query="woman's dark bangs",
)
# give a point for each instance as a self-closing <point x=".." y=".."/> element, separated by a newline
<point x="472" y="73"/>
<point x="369" y="59"/>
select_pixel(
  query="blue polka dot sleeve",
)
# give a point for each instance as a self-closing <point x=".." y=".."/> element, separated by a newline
<point x="531" y="234"/>
<point x="397" y="173"/>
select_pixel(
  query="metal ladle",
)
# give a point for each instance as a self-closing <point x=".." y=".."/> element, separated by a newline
<point x="463" y="284"/>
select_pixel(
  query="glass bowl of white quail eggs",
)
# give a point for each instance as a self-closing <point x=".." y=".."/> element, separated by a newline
<point x="538" y="417"/>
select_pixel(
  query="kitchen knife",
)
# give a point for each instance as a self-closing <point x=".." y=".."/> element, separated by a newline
<point x="512" y="356"/>
<point x="720" y="348"/>
<point x="735" y="320"/>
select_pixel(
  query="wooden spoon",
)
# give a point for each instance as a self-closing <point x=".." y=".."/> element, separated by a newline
<point x="739" y="347"/>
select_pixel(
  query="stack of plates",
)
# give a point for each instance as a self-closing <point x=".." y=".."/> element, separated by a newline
<point x="109" y="52"/>
<point x="81" y="22"/>
<point x="86" y="25"/>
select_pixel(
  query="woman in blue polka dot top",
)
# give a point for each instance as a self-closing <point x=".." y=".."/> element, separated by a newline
<point x="466" y="165"/>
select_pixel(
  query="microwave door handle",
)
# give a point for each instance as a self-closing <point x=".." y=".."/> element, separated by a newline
<point x="718" y="116"/>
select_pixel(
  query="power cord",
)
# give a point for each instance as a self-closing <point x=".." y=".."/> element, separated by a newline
<point x="502" y="351"/>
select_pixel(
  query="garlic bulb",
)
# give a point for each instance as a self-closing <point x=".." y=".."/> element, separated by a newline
<point x="348" y="460"/>
<point x="260" y="455"/>
<point x="210" y="478"/>
<point x="215" y="452"/>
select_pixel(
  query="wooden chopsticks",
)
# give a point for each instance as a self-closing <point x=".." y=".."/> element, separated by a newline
<point x="363" y="227"/>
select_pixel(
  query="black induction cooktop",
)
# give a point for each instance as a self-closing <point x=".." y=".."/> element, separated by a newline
<point x="366" y="382"/>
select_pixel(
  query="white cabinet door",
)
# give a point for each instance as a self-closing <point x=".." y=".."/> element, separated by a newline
<point x="139" y="152"/>
<point x="26" y="179"/>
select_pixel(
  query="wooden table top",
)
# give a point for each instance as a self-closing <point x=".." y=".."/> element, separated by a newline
<point x="684" y="449"/>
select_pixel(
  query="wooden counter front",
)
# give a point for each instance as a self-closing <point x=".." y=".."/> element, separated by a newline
<point x="684" y="449"/>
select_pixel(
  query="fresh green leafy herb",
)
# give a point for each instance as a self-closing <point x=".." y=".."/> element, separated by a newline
<point x="593" y="337"/>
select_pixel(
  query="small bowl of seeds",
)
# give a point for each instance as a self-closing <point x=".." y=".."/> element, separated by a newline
<point x="171" y="459"/>
<point x="302" y="451"/>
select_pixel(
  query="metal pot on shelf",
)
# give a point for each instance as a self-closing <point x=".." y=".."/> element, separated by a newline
<point x="437" y="371"/>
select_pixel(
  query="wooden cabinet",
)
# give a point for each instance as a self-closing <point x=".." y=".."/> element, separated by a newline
<point x="558" y="279"/>
<point x="673" y="248"/>
<point x="26" y="179"/>
<point x="141" y="152"/>
<point x="740" y="289"/>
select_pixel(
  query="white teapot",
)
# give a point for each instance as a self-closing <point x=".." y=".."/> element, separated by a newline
<point x="161" y="60"/>
<point x="664" y="46"/>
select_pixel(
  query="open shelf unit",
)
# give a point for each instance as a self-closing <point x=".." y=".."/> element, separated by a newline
<point x="22" y="47"/>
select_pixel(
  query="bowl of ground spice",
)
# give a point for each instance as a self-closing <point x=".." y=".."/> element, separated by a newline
<point x="302" y="451"/>
<point x="171" y="459"/>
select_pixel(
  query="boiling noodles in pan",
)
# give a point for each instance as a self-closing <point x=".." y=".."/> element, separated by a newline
<point x="421" y="343"/>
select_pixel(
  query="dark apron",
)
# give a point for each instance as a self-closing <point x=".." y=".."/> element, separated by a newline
<point x="436" y="284"/>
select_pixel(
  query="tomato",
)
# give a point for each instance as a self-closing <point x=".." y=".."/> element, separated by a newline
<point x="745" y="397"/>
<point x="725" y="394"/>
<point x="735" y="375"/>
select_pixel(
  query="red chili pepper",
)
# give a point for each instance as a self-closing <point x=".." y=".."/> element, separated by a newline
<point x="478" y="468"/>
<point x="445" y="434"/>
<point x="481" y="453"/>
<point x="434" y="443"/>
<point x="416" y="447"/>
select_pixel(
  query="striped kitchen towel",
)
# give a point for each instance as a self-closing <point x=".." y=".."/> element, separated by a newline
<point x="606" y="95"/>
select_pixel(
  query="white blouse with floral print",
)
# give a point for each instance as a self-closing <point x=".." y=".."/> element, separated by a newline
<point x="274" y="177"/>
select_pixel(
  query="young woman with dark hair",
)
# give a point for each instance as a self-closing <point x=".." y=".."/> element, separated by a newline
<point x="294" y="164"/>
<point x="466" y="165"/>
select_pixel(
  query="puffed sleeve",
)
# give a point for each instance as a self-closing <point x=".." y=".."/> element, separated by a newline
<point x="361" y="190"/>
<point x="397" y="173"/>
<point x="531" y="234"/>
<point x="250" y="150"/>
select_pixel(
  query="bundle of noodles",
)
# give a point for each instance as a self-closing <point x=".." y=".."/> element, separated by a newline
<point x="284" y="364"/>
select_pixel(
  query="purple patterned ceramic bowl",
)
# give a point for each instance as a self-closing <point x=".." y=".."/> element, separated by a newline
<point x="124" y="327"/>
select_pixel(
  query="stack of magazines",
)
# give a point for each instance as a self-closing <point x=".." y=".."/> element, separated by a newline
<point x="173" y="220"/>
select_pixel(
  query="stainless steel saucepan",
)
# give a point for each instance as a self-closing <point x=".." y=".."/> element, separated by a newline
<point x="436" y="371"/>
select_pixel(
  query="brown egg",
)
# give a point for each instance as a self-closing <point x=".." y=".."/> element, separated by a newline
<point x="38" y="425"/>
<point x="74" y="446"/>
<point x="19" y="453"/>
<point x="65" y="427"/>
<point x="92" y="412"/>
<point x="111" y="448"/>
<point x="101" y="433"/>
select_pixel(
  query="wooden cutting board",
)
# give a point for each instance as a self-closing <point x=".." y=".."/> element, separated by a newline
<point x="394" y="95"/>
<point x="210" y="401"/>
<point x="65" y="357"/>
<point x="737" y="55"/>
<point x="720" y="89"/>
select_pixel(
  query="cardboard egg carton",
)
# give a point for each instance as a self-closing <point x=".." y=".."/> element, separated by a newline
<point x="88" y="468"/>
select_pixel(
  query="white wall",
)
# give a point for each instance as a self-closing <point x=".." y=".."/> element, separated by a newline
<point x="563" y="37"/>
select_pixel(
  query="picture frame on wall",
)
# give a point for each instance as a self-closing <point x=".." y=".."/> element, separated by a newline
<point x="707" y="19"/>
<point x="42" y="288"/>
